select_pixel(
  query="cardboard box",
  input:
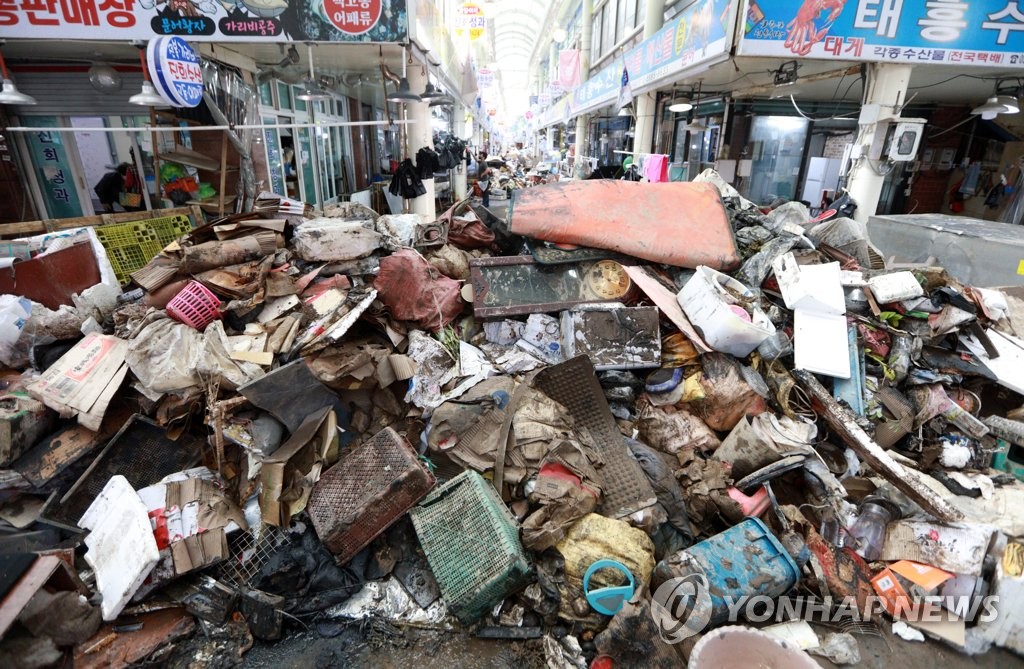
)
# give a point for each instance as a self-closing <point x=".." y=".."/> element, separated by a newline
<point x="85" y="379"/>
<point x="289" y="474"/>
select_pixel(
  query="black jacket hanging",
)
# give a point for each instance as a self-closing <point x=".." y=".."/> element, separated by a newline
<point x="406" y="181"/>
<point x="427" y="163"/>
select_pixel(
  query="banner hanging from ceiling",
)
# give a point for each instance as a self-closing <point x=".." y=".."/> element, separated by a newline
<point x="963" y="32"/>
<point x="207" y="21"/>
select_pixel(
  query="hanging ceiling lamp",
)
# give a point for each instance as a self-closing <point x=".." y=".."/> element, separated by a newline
<point x="1010" y="102"/>
<point x="9" y="94"/>
<point x="430" y="92"/>
<point x="147" y="97"/>
<point x="311" y="88"/>
<point x="404" y="91"/>
<point x="104" y="78"/>
<point x="991" y="109"/>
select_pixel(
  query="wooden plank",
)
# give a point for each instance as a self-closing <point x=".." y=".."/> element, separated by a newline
<point x="49" y="225"/>
<point x="843" y="424"/>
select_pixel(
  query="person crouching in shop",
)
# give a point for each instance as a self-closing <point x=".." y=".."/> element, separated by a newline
<point x="110" y="186"/>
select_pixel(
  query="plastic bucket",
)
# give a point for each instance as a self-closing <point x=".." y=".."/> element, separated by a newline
<point x="745" y="560"/>
<point x="194" y="305"/>
<point x="746" y="647"/>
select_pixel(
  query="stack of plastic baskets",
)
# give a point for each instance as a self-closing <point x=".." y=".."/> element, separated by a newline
<point x="472" y="544"/>
<point x="194" y="305"/>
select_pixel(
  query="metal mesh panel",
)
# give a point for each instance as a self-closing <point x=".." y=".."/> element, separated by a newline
<point x="624" y="486"/>
<point x="141" y="452"/>
<point x="249" y="551"/>
<point x="369" y="489"/>
<point x="472" y="544"/>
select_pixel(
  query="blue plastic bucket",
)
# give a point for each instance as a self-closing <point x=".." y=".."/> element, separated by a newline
<point x="744" y="561"/>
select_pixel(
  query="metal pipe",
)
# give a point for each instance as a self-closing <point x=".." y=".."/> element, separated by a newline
<point x="166" y="128"/>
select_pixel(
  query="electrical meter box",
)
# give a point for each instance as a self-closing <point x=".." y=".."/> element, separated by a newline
<point x="905" y="140"/>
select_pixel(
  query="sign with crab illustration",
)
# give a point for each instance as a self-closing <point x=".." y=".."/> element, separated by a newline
<point x="927" y="32"/>
<point x="378" y="21"/>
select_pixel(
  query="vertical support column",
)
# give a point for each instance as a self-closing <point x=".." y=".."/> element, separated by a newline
<point x="586" y="39"/>
<point x="645" y="103"/>
<point x="886" y="87"/>
<point x="419" y="135"/>
<point x="459" y="173"/>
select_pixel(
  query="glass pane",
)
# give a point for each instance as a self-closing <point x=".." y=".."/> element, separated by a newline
<point x="284" y="95"/>
<point x="596" y="37"/>
<point x="608" y="21"/>
<point x="305" y="160"/>
<point x="620" y="18"/>
<point x="630" y="13"/>
<point x="53" y="170"/>
<point x="300" y="105"/>
<point x="266" y="94"/>
<point x="777" y="146"/>
<point x="275" y="162"/>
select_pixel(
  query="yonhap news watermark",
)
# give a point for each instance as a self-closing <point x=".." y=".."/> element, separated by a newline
<point x="683" y="607"/>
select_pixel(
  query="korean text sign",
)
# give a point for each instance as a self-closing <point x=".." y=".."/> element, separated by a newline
<point x="205" y="20"/>
<point x="967" y="32"/>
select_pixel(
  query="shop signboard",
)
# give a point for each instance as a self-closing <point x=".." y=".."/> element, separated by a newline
<point x="484" y="78"/>
<point x="700" y="35"/>
<point x="961" y="32"/>
<point x="53" y="169"/>
<point x="175" y="71"/>
<point x="207" y="21"/>
<point x="471" y="22"/>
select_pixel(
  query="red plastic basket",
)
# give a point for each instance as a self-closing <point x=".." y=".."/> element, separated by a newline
<point x="194" y="305"/>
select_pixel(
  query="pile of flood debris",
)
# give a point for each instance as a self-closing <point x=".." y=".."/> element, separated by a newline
<point x="612" y="424"/>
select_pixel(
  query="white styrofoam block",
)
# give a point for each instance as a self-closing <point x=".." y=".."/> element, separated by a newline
<point x="122" y="549"/>
<point x="707" y="304"/>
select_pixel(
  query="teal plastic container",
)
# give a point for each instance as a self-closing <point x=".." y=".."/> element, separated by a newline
<point x="745" y="560"/>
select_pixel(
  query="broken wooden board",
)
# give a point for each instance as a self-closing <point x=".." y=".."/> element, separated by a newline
<point x="843" y="424"/>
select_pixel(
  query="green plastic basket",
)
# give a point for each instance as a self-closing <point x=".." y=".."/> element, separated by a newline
<point x="472" y="544"/>
<point x="130" y="246"/>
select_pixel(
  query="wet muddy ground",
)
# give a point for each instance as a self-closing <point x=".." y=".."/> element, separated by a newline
<point x="382" y="646"/>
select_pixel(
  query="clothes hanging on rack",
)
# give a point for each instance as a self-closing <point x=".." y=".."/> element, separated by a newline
<point x="406" y="182"/>
<point x="656" y="168"/>
<point x="427" y="162"/>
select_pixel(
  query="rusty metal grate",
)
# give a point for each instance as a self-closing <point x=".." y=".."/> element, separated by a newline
<point x="372" y="486"/>
<point x="141" y="452"/>
<point x="624" y="487"/>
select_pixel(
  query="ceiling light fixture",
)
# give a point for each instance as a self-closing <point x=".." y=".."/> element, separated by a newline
<point x="430" y="92"/>
<point x="559" y="35"/>
<point x="104" y="78"/>
<point x="404" y="90"/>
<point x="311" y="88"/>
<point x="9" y="94"/>
<point x="991" y="109"/>
<point x="682" y="104"/>
<point x="147" y="97"/>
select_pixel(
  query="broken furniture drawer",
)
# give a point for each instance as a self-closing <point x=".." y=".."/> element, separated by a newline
<point x="371" y="487"/>
<point x="472" y="544"/>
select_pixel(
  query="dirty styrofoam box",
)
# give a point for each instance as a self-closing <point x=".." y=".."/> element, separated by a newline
<point x="122" y="549"/>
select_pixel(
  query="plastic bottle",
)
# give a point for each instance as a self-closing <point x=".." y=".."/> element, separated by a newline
<point x="868" y="533"/>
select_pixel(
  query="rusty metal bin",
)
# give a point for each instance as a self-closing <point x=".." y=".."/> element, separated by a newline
<point x="371" y="487"/>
